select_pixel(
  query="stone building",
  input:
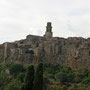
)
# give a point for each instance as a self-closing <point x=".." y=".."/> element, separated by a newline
<point x="72" y="51"/>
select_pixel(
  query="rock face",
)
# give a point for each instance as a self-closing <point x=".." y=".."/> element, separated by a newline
<point x="73" y="51"/>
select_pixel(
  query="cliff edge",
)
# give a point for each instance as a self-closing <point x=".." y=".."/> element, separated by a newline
<point x="73" y="51"/>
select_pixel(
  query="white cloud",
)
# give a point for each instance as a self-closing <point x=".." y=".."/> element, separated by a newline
<point x="19" y="18"/>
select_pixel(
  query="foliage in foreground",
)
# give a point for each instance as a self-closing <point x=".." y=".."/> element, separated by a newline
<point x="58" y="77"/>
<point x="39" y="77"/>
<point x="18" y="77"/>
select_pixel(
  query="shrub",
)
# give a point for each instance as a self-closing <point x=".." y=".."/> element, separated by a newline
<point x="15" y="69"/>
<point x="61" y="77"/>
<point x="21" y="77"/>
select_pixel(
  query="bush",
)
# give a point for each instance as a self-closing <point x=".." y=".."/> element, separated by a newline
<point x="21" y="77"/>
<point x="64" y="88"/>
<point x="66" y="70"/>
<point x="15" y="69"/>
<point x="70" y="77"/>
<point x="13" y="85"/>
<point x="86" y="80"/>
<point x="61" y="77"/>
<point x="4" y="79"/>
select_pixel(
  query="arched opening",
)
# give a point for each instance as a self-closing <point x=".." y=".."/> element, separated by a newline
<point x="29" y="51"/>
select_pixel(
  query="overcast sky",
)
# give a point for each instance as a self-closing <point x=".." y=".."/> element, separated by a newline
<point x="19" y="18"/>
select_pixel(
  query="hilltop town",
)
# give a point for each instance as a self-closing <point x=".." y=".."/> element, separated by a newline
<point x="73" y="51"/>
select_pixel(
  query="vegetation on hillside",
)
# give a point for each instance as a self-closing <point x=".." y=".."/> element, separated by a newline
<point x="19" y="77"/>
<point x="43" y="77"/>
<point x="58" y="77"/>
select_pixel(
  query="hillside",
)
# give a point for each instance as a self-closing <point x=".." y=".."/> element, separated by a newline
<point x="73" y="51"/>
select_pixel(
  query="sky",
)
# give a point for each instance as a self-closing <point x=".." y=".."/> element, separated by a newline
<point x="19" y="18"/>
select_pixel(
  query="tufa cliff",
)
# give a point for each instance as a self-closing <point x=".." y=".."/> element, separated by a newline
<point x="73" y="51"/>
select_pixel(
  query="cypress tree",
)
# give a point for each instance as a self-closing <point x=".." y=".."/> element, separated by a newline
<point x="29" y="78"/>
<point x="38" y="82"/>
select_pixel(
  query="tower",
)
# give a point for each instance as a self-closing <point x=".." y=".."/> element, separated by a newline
<point x="49" y="32"/>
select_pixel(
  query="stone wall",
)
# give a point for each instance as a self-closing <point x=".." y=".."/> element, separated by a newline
<point x="73" y="51"/>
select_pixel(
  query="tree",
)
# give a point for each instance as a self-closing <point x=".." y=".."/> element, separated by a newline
<point x="21" y="77"/>
<point x="4" y="79"/>
<point x="13" y="85"/>
<point x="15" y="69"/>
<point x="61" y="77"/>
<point x="23" y="87"/>
<point x="81" y="73"/>
<point x="66" y="70"/>
<point x="38" y="82"/>
<point x="70" y="77"/>
<point x="29" y="78"/>
<point x="86" y="80"/>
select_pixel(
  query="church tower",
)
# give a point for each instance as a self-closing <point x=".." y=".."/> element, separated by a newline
<point x="49" y="32"/>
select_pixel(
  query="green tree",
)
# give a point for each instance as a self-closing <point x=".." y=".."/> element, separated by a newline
<point x="70" y="77"/>
<point x="29" y="78"/>
<point x="66" y="70"/>
<point x="15" y="69"/>
<point x="21" y="77"/>
<point x="23" y="87"/>
<point x="38" y="82"/>
<point x="81" y="73"/>
<point x="13" y="85"/>
<point x="4" y="79"/>
<point x="61" y="77"/>
<point x="64" y="88"/>
<point x="86" y="80"/>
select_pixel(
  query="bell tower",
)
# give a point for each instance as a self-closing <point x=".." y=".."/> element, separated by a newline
<point x="48" y="33"/>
